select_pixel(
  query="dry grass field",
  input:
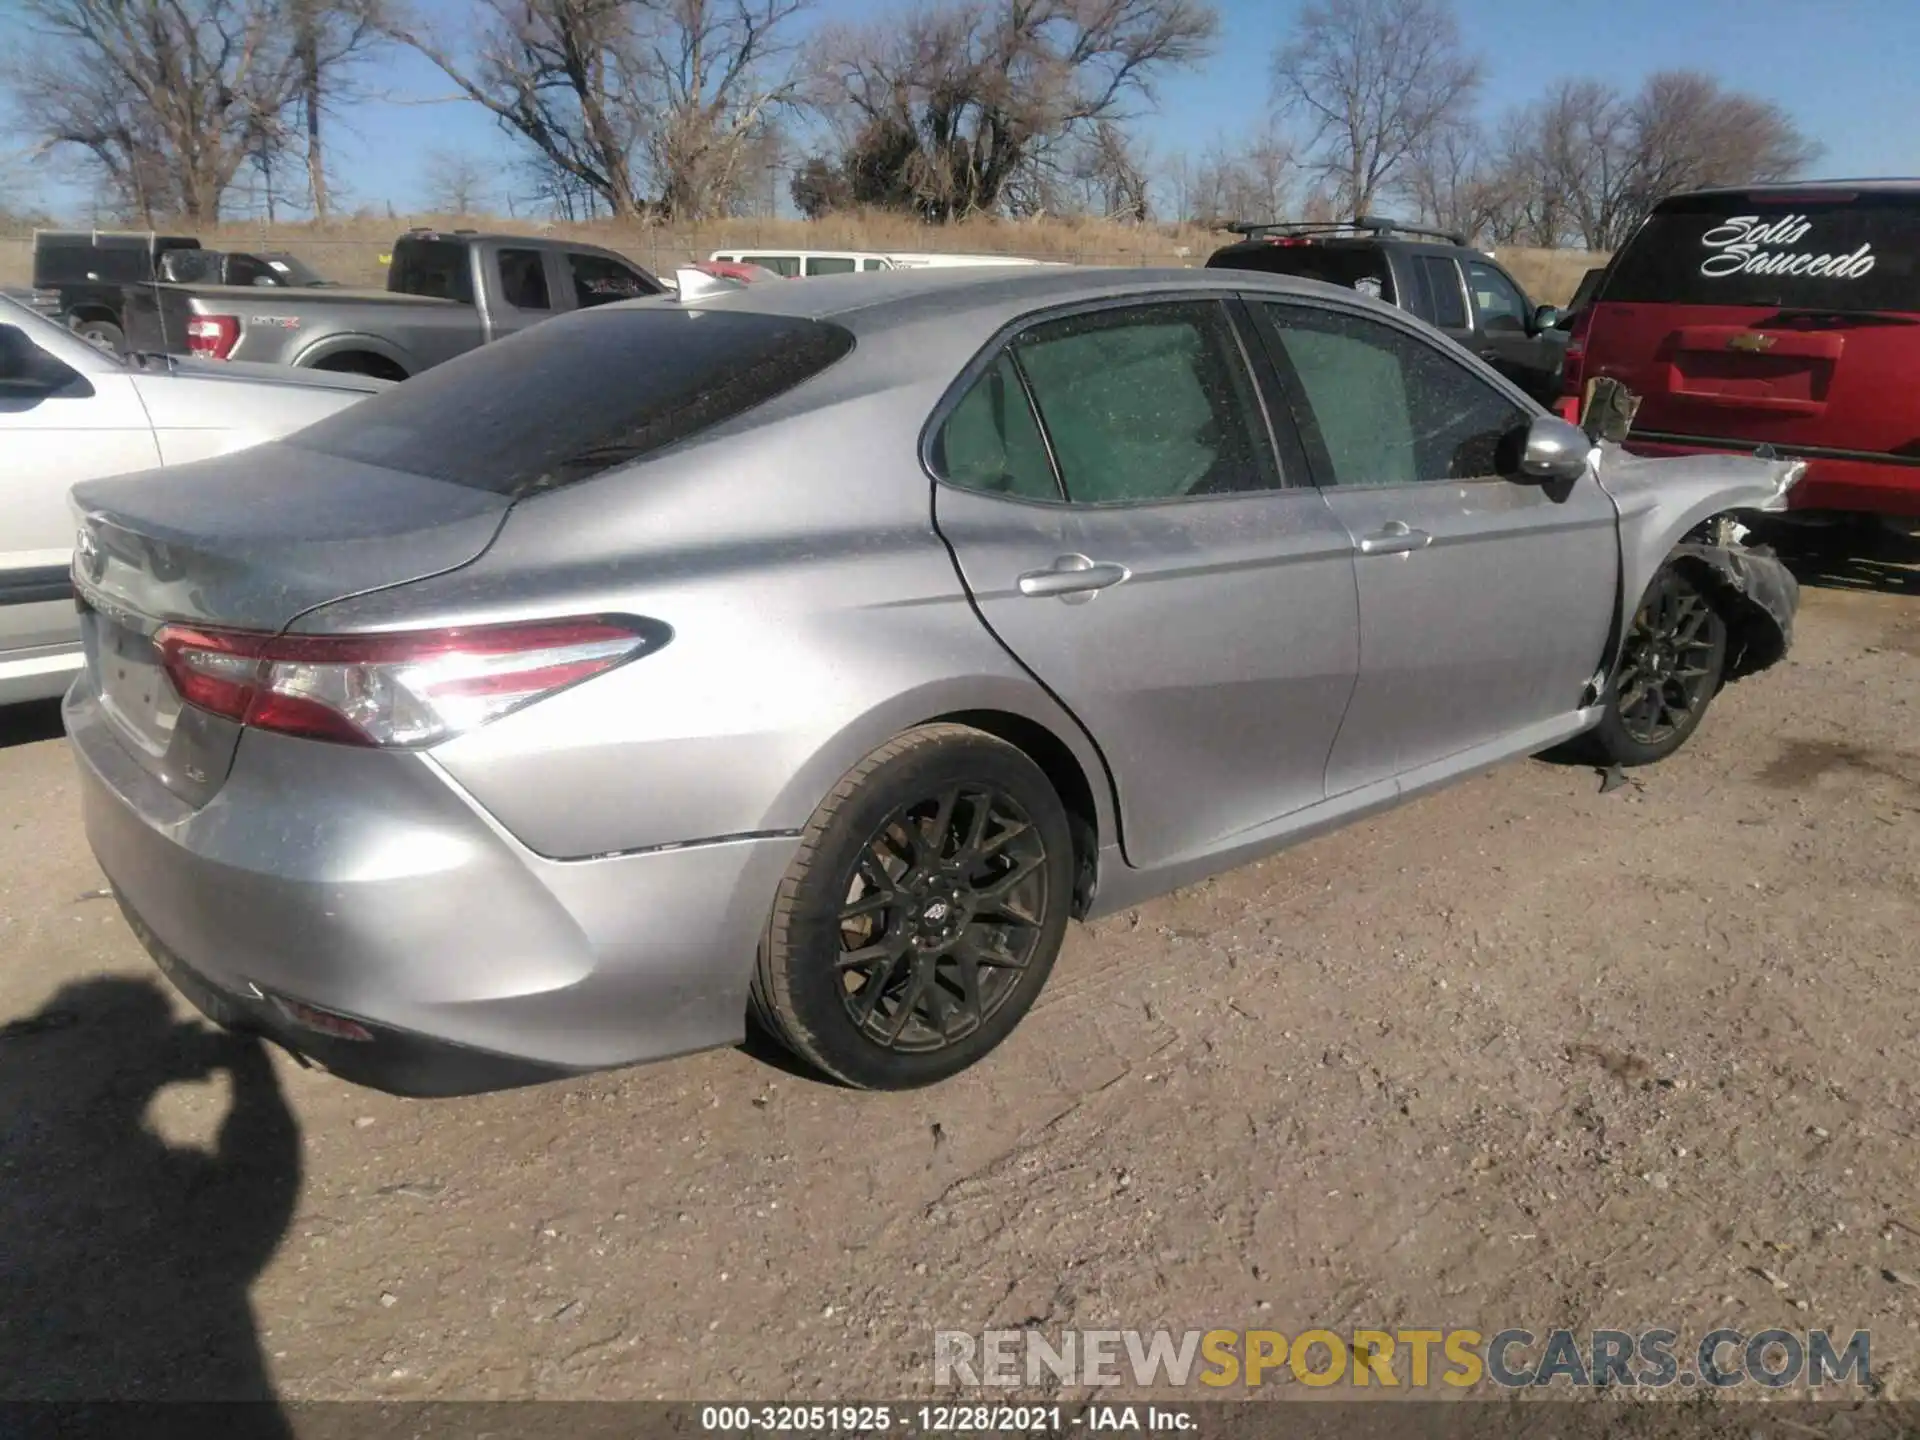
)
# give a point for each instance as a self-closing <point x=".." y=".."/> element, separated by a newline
<point x="352" y="250"/>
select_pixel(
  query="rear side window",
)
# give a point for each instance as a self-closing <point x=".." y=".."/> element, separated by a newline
<point x="579" y="395"/>
<point x="787" y="265"/>
<point x="1443" y="281"/>
<point x="1147" y="403"/>
<point x="830" y="265"/>
<point x="523" y="279"/>
<point x="434" y="268"/>
<point x="991" y="441"/>
<point x="1824" y="253"/>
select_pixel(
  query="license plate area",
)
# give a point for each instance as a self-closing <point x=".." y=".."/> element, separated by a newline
<point x="134" y="691"/>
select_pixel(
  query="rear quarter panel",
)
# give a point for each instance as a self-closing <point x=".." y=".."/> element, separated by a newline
<point x="815" y="615"/>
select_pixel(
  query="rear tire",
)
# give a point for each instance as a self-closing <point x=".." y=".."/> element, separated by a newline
<point x="923" y="913"/>
<point x="103" y="333"/>
<point x="1671" y="665"/>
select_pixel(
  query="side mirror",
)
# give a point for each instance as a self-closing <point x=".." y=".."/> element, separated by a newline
<point x="1554" y="451"/>
<point x="28" y="371"/>
<point x="1545" y="318"/>
<point x="266" y="280"/>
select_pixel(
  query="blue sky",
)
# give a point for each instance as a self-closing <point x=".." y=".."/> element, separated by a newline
<point x="1842" y="68"/>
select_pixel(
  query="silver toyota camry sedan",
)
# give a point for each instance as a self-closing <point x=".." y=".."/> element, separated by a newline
<point x="817" y="652"/>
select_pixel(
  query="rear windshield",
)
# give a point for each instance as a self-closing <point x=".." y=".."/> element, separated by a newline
<point x="573" y="397"/>
<point x="1825" y="253"/>
<point x="1352" y="267"/>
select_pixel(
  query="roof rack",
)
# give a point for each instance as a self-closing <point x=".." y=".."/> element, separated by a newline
<point x="1373" y="225"/>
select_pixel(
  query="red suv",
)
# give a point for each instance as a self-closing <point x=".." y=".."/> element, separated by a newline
<point x="1786" y="315"/>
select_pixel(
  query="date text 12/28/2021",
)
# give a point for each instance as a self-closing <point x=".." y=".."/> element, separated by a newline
<point x="962" y="1419"/>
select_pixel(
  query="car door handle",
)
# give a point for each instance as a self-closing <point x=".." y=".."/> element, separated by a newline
<point x="1396" y="537"/>
<point x="1072" y="575"/>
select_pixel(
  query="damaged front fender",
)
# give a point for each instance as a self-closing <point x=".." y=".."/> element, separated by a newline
<point x="1664" y="506"/>
<point x="1758" y="596"/>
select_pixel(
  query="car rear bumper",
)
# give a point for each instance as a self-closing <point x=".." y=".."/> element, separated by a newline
<point x="365" y="886"/>
<point x="1831" y="483"/>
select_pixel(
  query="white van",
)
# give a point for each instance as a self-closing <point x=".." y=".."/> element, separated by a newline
<point x="795" y="263"/>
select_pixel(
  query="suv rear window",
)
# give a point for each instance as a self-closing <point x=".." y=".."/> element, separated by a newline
<point x="574" y="397"/>
<point x="1352" y="267"/>
<point x="1780" y="251"/>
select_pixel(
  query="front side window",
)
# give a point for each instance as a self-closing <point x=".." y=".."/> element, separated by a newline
<point x="598" y="280"/>
<point x="873" y="264"/>
<point x="991" y="442"/>
<point x="523" y="280"/>
<point x="1499" y="303"/>
<point x="1150" y="402"/>
<point x="1385" y="408"/>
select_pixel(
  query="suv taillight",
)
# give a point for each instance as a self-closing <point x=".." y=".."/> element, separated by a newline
<point x="213" y="336"/>
<point x="403" y="690"/>
<point x="1573" y="369"/>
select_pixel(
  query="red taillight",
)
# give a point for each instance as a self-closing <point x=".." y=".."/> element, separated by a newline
<point x="213" y="336"/>
<point x="1573" y="370"/>
<point x="1290" y="240"/>
<point x="411" y="689"/>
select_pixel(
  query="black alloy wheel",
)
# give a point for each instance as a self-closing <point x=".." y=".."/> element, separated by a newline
<point x="943" y="912"/>
<point x="922" y="913"/>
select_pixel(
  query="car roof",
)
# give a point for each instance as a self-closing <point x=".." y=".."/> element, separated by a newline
<point x="1882" y="185"/>
<point x="892" y="296"/>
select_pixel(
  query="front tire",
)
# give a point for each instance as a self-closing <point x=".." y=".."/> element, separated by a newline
<point x="1671" y="665"/>
<point x="923" y="913"/>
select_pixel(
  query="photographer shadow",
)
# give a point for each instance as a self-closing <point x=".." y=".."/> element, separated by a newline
<point x="128" y="1260"/>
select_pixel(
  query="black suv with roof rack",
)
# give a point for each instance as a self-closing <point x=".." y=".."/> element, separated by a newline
<point x="1429" y="273"/>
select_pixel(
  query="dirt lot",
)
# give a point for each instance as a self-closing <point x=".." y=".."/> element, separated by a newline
<point x="1522" y="1054"/>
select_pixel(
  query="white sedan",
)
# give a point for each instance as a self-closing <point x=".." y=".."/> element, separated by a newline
<point x="71" y="412"/>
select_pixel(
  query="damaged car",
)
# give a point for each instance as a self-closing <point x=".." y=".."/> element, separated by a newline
<point x="818" y="652"/>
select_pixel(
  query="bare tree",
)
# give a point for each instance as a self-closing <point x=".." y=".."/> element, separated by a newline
<point x="1586" y="162"/>
<point x="649" y="104"/>
<point x="1457" y="182"/>
<point x="1373" y="80"/>
<point x="167" y="102"/>
<point x="944" y="109"/>
<point x="1251" y="179"/>
<point x="456" y="183"/>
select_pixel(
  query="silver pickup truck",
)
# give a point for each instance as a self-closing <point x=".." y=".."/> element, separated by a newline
<point x="447" y="292"/>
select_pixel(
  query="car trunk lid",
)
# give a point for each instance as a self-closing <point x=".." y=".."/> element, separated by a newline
<point x="1743" y="318"/>
<point x="248" y="541"/>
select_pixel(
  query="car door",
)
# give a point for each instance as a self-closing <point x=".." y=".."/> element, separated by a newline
<point x="1485" y="601"/>
<point x="92" y="425"/>
<point x="1504" y="335"/>
<point x="1113" y="497"/>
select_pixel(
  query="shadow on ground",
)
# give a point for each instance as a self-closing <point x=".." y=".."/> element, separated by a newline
<point x="1852" y="558"/>
<point x="128" y="1260"/>
<point x="27" y="724"/>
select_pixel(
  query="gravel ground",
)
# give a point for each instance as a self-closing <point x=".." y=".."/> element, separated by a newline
<point x="1522" y="1054"/>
